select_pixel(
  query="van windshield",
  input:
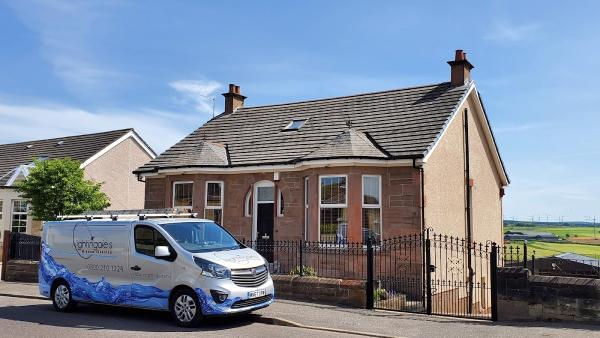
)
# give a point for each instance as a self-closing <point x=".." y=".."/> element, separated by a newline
<point x="201" y="236"/>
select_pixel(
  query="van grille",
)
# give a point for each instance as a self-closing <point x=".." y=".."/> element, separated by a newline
<point x="251" y="302"/>
<point x="250" y="278"/>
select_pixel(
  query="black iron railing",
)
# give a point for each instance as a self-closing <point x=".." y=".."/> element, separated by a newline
<point x="24" y="247"/>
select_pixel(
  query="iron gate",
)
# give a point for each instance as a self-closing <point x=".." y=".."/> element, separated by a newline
<point x="433" y="274"/>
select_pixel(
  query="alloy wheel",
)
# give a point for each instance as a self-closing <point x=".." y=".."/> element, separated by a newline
<point x="185" y="308"/>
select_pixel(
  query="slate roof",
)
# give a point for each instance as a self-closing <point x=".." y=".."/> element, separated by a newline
<point x="80" y="148"/>
<point x="394" y="124"/>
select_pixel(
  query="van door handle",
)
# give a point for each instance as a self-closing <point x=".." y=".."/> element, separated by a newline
<point x="136" y="268"/>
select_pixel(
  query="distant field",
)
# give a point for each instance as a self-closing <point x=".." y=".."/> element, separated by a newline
<point x="545" y="249"/>
<point x="562" y="232"/>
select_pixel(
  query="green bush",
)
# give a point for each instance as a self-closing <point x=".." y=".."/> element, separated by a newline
<point x="379" y="294"/>
<point x="307" y="271"/>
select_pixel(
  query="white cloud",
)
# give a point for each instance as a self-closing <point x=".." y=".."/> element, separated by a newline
<point x="197" y="92"/>
<point x="65" y="31"/>
<point x="22" y="122"/>
<point x="504" y="31"/>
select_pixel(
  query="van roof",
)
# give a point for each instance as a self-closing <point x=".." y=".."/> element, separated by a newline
<point x="132" y="220"/>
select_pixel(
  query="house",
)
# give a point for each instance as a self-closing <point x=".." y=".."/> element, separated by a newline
<point x="334" y="170"/>
<point x="530" y="236"/>
<point x="107" y="157"/>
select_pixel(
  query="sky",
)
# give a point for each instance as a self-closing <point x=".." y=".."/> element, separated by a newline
<point x="75" y="67"/>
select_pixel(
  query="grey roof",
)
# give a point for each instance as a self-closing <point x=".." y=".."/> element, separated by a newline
<point x="394" y="124"/>
<point x="349" y="143"/>
<point x="80" y="148"/>
<point x="579" y="258"/>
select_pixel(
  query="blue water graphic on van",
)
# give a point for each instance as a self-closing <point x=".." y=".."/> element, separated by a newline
<point x="104" y="292"/>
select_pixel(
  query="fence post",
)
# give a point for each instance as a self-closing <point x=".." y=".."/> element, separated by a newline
<point x="428" y="274"/>
<point x="5" y="248"/>
<point x="301" y="259"/>
<point x="525" y="254"/>
<point x="494" y="280"/>
<point x="533" y="263"/>
<point x="369" y="289"/>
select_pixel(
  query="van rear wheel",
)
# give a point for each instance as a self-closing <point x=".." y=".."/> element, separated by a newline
<point x="62" y="298"/>
<point x="185" y="308"/>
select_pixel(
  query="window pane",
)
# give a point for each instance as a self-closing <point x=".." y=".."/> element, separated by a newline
<point x="281" y="203"/>
<point x="333" y="190"/>
<point x="213" y="194"/>
<point x="19" y="206"/>
<point x="266" y="194"/>
<point x="371" y="223"/>
<point x="144" y="240"/>
<point x="334" y="228"/>
<point x="215" y="215"/>
<point x="183" y="195"/>
<point x="371" y="193"/>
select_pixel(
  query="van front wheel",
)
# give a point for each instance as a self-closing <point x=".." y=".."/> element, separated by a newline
<point x="61" y="297"/>
<point x="185" y="308"/>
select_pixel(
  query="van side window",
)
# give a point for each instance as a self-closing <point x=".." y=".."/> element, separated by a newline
<point x="147" y="238"/>
<point x="144" y="240"/>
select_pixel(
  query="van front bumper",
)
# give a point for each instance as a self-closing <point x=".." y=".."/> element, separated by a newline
<point x="238" y="299"/>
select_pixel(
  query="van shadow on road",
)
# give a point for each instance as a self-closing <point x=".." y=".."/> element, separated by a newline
<point x="99" y="317"/>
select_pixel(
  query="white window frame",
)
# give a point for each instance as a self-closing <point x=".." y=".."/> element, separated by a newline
<point x="248" y="204"/>
<point x="20" y="213"/>
<point x="371" y="206"/>
<point x="214" y="207"/>
<point x="173" y="195"/>
<point x="331" y="206"/>
<point x="280" y="212"/>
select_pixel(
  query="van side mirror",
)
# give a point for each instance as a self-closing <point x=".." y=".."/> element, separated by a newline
<point x="161" y="251"/>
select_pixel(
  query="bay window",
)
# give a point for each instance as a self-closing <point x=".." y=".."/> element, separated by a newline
<point x="183" y="195"/>
<point x="333" y="226"/>
<point x="371" y="207"/>
<point x="213" y="207"/>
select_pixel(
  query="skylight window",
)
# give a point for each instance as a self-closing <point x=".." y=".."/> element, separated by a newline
<point x="295" y="125"/>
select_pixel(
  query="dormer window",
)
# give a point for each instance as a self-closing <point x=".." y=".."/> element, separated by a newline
<point x="294" y="125"/>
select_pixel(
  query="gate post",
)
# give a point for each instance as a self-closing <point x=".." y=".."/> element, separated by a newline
<point x="525" y="254"/>
<point x="301" y="259"/>
<point x="494" y="280"/>
<point x="428" y="273"/>
<point x="5" y="248"/>
<point x="369" y="288"/>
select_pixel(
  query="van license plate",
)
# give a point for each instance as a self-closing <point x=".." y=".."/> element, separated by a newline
<point x="257" y="293"/>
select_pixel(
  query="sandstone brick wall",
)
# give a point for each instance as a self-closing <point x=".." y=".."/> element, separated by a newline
<point x="522" y="296"/>
<point x="21" y="271"/>
<point x="400" y="199"/>
<point x="322" y="290"/>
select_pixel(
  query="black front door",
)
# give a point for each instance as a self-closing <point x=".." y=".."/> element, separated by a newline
<point x="264" y="230"/>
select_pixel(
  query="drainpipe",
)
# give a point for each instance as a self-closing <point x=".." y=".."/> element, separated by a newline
<point x="468" y="209"/>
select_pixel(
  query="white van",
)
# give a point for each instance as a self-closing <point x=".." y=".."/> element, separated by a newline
<point x="190" y="267"/>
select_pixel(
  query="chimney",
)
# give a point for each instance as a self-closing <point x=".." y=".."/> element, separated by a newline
<point x="460" y="69"/>
<point x="233" y="99"/>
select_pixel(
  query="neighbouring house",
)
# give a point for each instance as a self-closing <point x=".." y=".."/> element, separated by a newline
<point x="530" y="236"/>
<point x="338" y="169"/>
<point x="107" y="158"/>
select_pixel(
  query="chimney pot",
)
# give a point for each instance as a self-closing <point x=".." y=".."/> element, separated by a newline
<point x="233" y="99"/>
<point x="460" y="69"/>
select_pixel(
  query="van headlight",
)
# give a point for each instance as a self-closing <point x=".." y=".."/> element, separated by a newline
<point x="210" y="269"/>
